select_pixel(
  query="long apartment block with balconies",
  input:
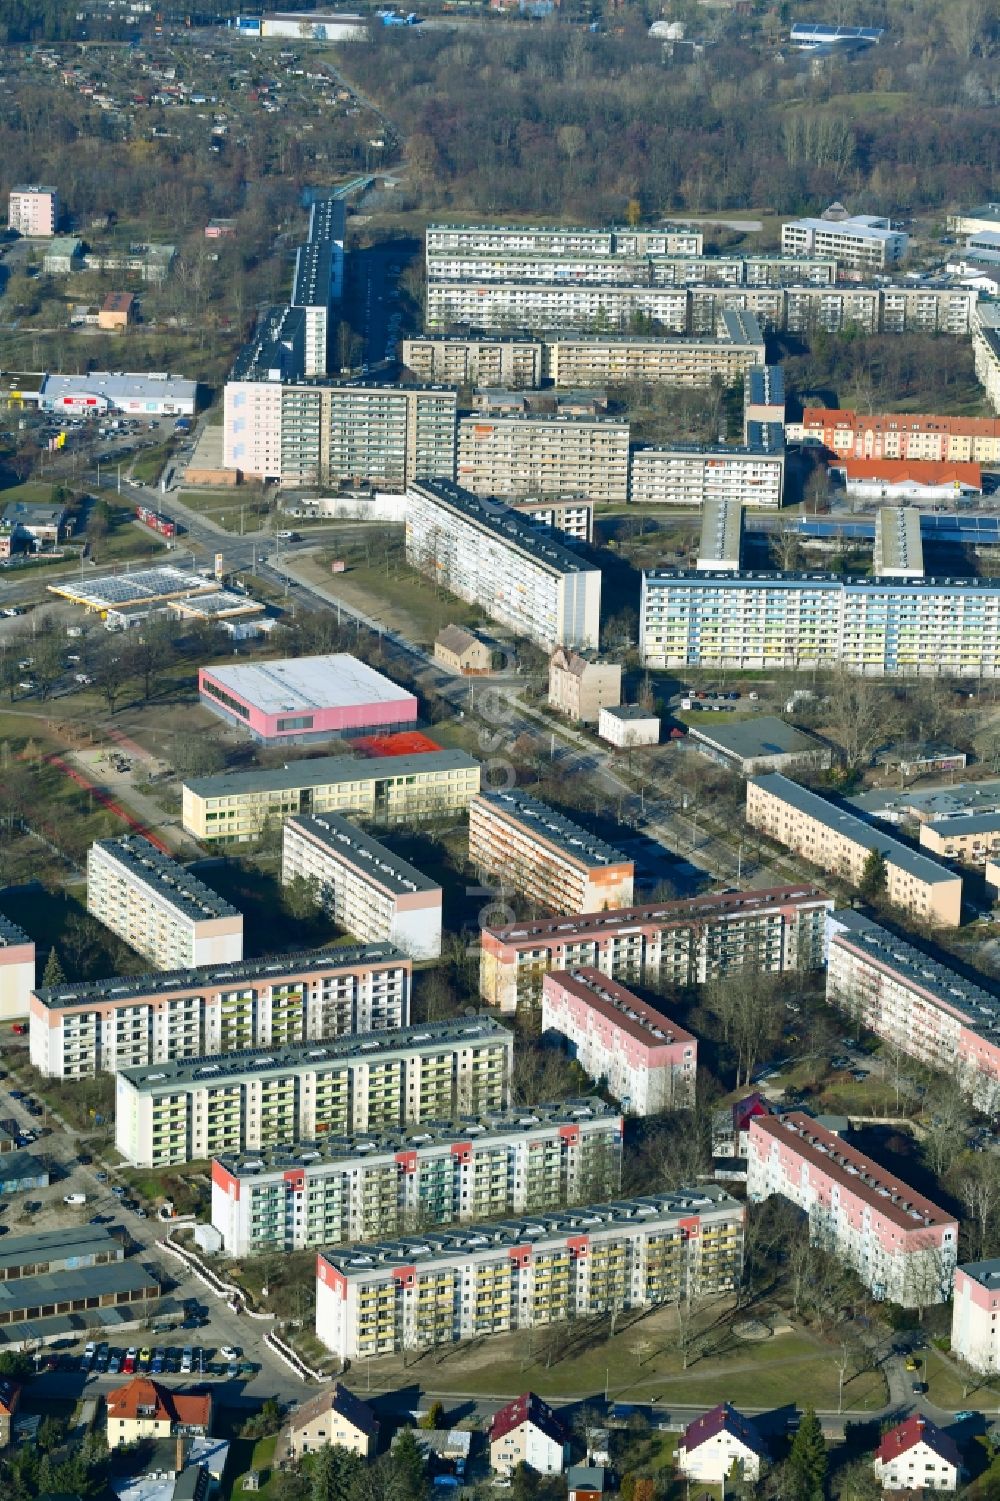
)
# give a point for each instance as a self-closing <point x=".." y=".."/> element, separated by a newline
<point x="646" y="1061"/>
<point x="341" y="1189"/>
<point x="488" y="554"/>
<point x="692" y="475"/>
<point x="841" y="843"/>
<point x="536" y="455"/>
<point x="922" y="1007"/>
<point x="365" y="887"/>
<point x="545" y="856"/>
<point x="778" y="930"/>
<point x="901" y="1245"/>
<point x="209" y="1106"/>
<point x="499" y="1277"/>
<point x="240" y="806"/>
<point x="102" y="1026"/>
<point x="158" y="907"/>
<point x="562" y="241"/>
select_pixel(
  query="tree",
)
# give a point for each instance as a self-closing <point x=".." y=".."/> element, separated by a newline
<point x="111" y="673"/>
<point x="633" y="212"/>
<point x="301" y="897"/>
<point x="150" y="652"/>
<point x="874" y="875"/>
<point x="196" y="756"/>
<point x="433" y="1417"/>
<point x="864" y="715"/>
<point x="53" y="975"/>
<point x="807" y="1459"/>
<point x="408" y="1467"/>
<point x="334" y="1472"/>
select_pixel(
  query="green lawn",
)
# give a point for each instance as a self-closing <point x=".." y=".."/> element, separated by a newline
<point x="232" y="509"/>
<point x="146" y="468"/>
<point x="261" y="1458"/>
<point x="946" y="1387"/>
<point x="642" y="1363"/>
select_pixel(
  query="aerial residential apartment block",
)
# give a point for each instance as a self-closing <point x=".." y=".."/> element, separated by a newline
<point x="240" y="806"/>
<point x="489" y="555"/>
<point x="901" y="1245"/>
<point x="367" y="889"/>
<point x="879" y="627"/>
<point x="160" y="909"/>
<point x="975" y="1316"/>
<point x="343" y="1188"/>
<point x="211" y="1106"/>
<point x="919" y="1005"/>
<point x="779" y="930"/>
<point x="857" y="242"/>
<point x="542" y="854"/>
<point x="692" y="475"/>
<point x="33" y="210"/>
<point x="900" y="435"/>
<point x="302" y="699"/>
<point x="102" y="1026"/>
<point x="448" y="1285"/>
<point x="840" y="843"/>
<point x="17" y="970"/>
<point x="644" y="1059"/>
<point x="535" y="454"/>
<point x="563" y="241"/>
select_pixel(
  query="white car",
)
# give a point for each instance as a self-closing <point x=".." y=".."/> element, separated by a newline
<point x="74" y="1198"/>
<point x="229" y="1352"/>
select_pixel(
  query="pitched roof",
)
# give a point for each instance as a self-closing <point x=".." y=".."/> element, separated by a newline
<point x="456" y="638"/>
<point x="915" y="1430"/>
<point x="147" y="1399"/>
<point x="920" y="471"/>
<point x="527" y="1409"/>
<point x="342" y="1401"/>
<point x="723" y="1419"/>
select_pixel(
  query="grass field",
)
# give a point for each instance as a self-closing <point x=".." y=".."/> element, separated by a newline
<point x="259" y="1457"/>
<point x="398" y="597"/>
<point x="642" y="1363"/>
<point x="232" y="509"/>
<point x="146" y="468"/>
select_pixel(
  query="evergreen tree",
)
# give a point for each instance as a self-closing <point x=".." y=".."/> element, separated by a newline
<point x="807" y="1461"/>
<point x="334" y="1472"/>
<point x="873" y="877"/>
<point x="54" y="973"/>
<point x="408" y="1467"/>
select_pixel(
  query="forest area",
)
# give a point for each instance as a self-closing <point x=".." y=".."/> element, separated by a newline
<point x="548" y="120"/>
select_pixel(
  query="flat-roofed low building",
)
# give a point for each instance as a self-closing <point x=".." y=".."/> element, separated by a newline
<point x="626" y="726"/>
<point x="235" y="807"/>
<point x="17" y="970"/>
<point x="299" y="700"/>
<point x="158" y="907"/>
<point x="20" y="1172"/>
<point x="102" y="1026"/>
<point x="350" y="1188"/>
<point x="777" y="931"/>
<point x="38" y="1308"/>
<point x="134" y="393"/>
<point x="375" y="1299"/>
<point x="544" y="855"/>
<point x="840" y="843"/>
<point x="463" y="651"/>
<point x="366" y="888"/>
<point x="920" y="1006"/>
<point x="580" y="685"/>
<point x="902" y="1246"/>
<point x="764" y="743"/>
<point x="70" y="1248"/>
<point x="645" y="1060"/>
<point x="973" y="840"/>
<point x="195" y="1108"/>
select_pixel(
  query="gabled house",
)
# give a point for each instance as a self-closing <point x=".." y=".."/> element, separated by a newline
<point x="144" y="1409"/>
<point x="916" y="1455"/>
<point x="528" y="1432"/>
<point x="337" y="1417"/>
<point x="712" y="1443"/>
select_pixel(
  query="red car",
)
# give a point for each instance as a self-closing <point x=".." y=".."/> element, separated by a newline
<point x="19" y="1029"/>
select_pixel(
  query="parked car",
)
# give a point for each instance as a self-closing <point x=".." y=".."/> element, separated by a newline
<point x="74" y="1198"/>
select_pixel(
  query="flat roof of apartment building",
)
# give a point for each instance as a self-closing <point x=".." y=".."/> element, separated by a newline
<point x="695" y="909"/>
<point x="60" y="1245"/>
<point x="979" y="1007"/>
<point x="322" y="771"/>
<point x="173" y="882"/>
<point x="209" y="976"/>
<point x="767" y="445"/>
<point x="899" y="550"/>
<point x="721" y="541"/>
<point x="311" y="283"/>
<point x="363" y="853"/>
<point x="178" y="1073"/>
<point x="841" y="821"/>
<point x="933" y="805"/>
<point x="801" y="580"/>
<point x="296" y="684"/>
<point x="554" y="1224"/>
<point x="542" y="419"/>
<point x="620" y="1007"/>
<point x="765" y="385"/>
<point x="503" y="522"/>
<point x="501" y="1123"/>
<point x="972" y="823"/>
<point x="855" y="1172"/>
<point x="555" y="828"/>
<point x="11" y="936"/>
